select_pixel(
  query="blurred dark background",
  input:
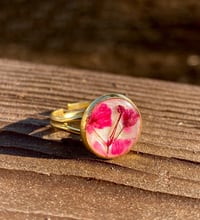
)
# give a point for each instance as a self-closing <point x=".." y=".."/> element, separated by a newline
<point x="158" y="39"/>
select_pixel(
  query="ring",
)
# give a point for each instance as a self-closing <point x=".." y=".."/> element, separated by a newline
<point x="109" y="126"/>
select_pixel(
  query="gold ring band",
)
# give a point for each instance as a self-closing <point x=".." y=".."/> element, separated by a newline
<point x="61" y="118"/>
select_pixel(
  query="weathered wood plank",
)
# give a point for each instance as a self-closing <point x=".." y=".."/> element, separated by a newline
<point x="134" y="170"/>
<point x="19" y="215"/>
<point x="162" y="168"/>
<point x="78" y="198"/>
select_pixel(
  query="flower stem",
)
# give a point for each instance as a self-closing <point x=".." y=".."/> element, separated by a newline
<point x="119" y="133"/>
<point x="111" y="138"/>
<point x="96" y="133"/>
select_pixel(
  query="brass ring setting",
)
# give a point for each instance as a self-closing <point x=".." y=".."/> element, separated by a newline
<point x="109" y="126"/>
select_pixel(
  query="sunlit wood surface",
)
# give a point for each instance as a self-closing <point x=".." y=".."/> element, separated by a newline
<point x="48" y="174"/>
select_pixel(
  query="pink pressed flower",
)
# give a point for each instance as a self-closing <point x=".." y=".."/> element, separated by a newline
<point x="120" y="146"/>
<point x="112" y="128"/>
<point x="100" y="118"/>
<point x="120" y="109"/>
<point x="130" y="118"/>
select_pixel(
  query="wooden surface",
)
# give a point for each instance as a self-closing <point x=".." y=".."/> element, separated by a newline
<point x="46" y="174"/>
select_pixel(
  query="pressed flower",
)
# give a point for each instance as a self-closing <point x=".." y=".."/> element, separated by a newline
<point x="111" y="128"/>
<point x="120" y="109"/>
<point x="130" y="118"/>
<point x="100" y="118"/>
<point x="120" y="146"/>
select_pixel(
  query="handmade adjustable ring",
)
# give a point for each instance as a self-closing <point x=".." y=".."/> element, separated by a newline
<point x="109" y="126"/>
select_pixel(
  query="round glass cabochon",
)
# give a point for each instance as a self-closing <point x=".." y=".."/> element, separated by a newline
<point x="111" y="126"/>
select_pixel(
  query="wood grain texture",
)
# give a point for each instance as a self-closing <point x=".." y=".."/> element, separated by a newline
<point x="48" y="174"/>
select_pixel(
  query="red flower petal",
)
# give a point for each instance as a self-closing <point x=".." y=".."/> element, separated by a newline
<point x="120" y="146"/>
<point x="100" y="118"/>
<point x="120" y="109"/>
<point x="130" y="118"/>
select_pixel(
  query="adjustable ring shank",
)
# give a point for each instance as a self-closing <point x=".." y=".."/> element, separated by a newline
<point x="62" y="118"/>
<point x="77" y="105"/>
<point x="66" y="127"/>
